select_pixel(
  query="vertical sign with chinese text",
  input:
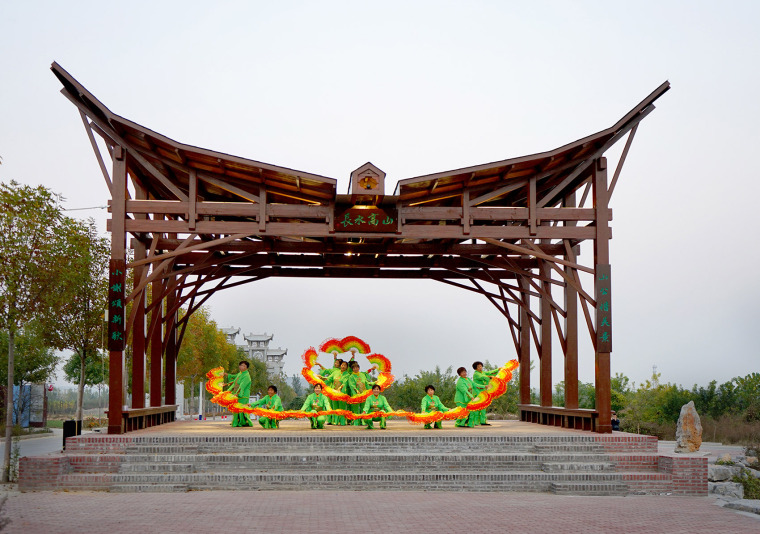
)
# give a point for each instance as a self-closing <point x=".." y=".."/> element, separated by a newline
<point x="116" y="307"/>
<point x="603" y="287"/>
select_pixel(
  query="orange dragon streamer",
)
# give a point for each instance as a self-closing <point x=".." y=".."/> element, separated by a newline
<point x="496" y="387"/>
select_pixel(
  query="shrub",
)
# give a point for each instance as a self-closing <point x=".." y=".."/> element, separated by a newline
<point x="750" y="483"/>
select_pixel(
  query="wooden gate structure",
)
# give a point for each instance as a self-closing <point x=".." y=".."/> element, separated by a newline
<point x="201" y="221"/>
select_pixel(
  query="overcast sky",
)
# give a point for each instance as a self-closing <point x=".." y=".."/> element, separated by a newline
<point x="422" y="87"/>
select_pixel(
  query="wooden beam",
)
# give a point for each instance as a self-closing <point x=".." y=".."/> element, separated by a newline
<point x="189" y="248"/>
<point x="558" y="190"/>
<point x="538" y="254"/>
<point x="498" y="192"/>
<point x="192" y="213"/>
<point x="106" y="128"/>
<point x="242" y="193"/>
<point x="95" y="149"/>
<point x="621" y="161"/>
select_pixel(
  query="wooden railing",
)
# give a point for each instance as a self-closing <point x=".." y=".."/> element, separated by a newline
<point x="578" y="418"/>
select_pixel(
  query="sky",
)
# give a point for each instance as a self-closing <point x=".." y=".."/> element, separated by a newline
<point x="423" y="87"/>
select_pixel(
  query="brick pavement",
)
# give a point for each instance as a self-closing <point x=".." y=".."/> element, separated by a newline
<point x="391" y="511"/>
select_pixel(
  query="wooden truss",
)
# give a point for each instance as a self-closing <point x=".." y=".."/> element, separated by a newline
<point x="201" y="221"/>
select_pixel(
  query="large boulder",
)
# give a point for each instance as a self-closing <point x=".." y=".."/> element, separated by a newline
<point x="733" y="490"/>
<point x="689" y="429"/>
<point x="719" y="473"/>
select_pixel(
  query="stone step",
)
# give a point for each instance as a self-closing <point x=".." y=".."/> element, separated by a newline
<point x="636" y="461"/>
<point x="359" y="443"/>
<point x="149" y="488"/>
<point x="369" y="480"/>
<point x="647" y="482"/>
<point x="599" y="488"/>
<point x="311" y="461"/>
<point x="137" y="467"/>
<point x="553" y="467"/>
<point x="544" y="448"/>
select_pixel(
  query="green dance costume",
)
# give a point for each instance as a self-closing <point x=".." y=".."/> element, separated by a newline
<point x="376" y="404"/>
<point x="241" y="386"/>
<point x="270" y="403"/>
<point x="358" y="383"/>
<point x="316" y="403"/>
<point x="338" y="380"/>
<point x="432" y="404"/>
<point x="480" y="380"/>
<point x="462" y="397"/>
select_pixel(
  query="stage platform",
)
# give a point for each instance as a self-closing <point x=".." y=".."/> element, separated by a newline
<point x="222" y="427"/>
<point x="506" y="456"/>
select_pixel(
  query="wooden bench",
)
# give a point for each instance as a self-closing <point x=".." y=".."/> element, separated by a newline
<point x="139" y="418"/>
<point x="577" y="418"/>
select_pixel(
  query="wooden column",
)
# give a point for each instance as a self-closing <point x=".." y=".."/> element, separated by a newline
<point x="156" y="346"/>
<point x="116" y="369"/>
<point x="571" y="328"/>
<point x="170" y="356"/>
<point x="545" y="353"/>
<point x="138" y="332"/>
<point x="524" y="356"/>
<point x="601" y="267"/>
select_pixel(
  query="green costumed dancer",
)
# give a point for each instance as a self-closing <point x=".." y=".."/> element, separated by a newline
<point x="327" y="371"/>
<point x="464" y="395"/>
<point x="316" y="402"/>
<point x="480" y="380"/>
<point x="338" y="380"/>
<point x="431" y="403"/>
<point x="358" y="383"/>
<point x="376" y="403"/>
<point x="270" y="402"/>
<point x="241" y="386"/>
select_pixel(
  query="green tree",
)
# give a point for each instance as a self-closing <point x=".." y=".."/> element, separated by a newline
<point x="34" y="248"/>
<point x="81" y="321"/>
<point x="407" y="393"/>
<point x="748" y="395"/>
<point x="34" y="360"/>
<point x="619" y="389"/>
<point x="204" y="346"/>
<point x="95" y="370"/>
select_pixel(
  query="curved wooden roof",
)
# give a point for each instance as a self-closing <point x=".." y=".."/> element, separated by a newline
<point x="507" y="177"/>
<point x="222" y="177"/>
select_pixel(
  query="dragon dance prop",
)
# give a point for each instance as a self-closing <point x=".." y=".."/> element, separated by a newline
<point x="496" y="387"/>
<point x="384" y="377"/>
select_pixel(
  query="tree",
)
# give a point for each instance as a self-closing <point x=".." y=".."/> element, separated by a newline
<point x="34" y="249"/>
<point x="95" y="369"/>
<point x="34" y="360"/>
<point x="204" y="346"/>
<point x="80" y="324"/>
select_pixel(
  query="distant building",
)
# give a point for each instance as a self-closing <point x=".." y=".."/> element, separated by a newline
<point x="257" y="346"/>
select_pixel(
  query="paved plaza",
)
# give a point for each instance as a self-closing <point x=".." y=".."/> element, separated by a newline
<point x="314" y="510"/>
<point x="389" y="511"/>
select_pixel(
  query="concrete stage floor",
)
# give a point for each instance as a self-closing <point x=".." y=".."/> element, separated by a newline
<point x="222" y="427"/>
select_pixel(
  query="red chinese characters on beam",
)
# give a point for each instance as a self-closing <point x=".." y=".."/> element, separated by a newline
<point x="603" y="286"/>
<point x="365" y="219"/>
<point x="116" y="308"/>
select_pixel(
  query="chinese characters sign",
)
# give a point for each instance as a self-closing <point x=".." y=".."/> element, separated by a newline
<point x="603" y="309"/>
<point x="116" y="307"/>
<point x="365" y="219"/>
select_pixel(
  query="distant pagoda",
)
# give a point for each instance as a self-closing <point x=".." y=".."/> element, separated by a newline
<point x="257" y="346"/>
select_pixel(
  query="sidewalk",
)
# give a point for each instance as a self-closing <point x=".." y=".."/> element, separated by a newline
<point x="392" y="511"/>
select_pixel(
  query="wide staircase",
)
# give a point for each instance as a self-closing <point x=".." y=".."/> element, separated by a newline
<point x="580" y="464"/>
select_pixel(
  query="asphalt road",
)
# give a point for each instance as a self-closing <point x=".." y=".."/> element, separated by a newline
<point x="38" y="446"/>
